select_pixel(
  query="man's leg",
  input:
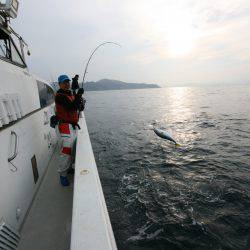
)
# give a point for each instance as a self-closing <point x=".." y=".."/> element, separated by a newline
<point x="71" y="170"/>
<point x="65" y="155"/>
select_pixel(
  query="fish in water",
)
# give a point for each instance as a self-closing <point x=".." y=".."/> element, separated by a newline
<point x="165" y="135"/>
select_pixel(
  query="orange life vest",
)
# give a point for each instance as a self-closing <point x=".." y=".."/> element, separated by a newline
<point x="65" y="115"/>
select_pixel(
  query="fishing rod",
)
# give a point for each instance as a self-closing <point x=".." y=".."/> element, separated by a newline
<point x="102" y="44"/>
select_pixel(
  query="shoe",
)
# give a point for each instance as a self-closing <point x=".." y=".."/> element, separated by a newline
<point x="64" y="181"/>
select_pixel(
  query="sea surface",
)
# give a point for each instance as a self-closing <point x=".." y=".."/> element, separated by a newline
<point x="161" y="197"/>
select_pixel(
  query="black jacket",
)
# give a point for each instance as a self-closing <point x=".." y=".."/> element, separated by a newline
<point x="65" y="102"/>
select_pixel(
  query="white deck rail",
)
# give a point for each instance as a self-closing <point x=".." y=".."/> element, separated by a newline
<point x="91" y="228"/>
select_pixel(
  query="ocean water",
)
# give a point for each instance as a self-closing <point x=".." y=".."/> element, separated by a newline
<point x="161" y="197"/>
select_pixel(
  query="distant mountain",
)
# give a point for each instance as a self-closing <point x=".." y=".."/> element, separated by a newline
<point x="107" y="84"/>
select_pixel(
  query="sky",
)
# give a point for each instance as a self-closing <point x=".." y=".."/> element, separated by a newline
<point x="167" y="42"/>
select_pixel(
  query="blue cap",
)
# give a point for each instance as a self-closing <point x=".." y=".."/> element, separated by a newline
<point x="63" y="78"/>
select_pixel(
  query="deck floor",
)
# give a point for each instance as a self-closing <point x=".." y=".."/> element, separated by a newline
<point x="48" y="224"/>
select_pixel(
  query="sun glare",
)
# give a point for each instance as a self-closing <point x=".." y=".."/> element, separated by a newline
<point x="180" y="40"/>
<point x="174" y="26"/>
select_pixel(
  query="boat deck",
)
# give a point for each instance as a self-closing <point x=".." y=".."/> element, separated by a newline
<point x="48" y="225"/>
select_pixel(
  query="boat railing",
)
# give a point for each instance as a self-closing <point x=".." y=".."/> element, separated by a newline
<point x="91" y="227"/>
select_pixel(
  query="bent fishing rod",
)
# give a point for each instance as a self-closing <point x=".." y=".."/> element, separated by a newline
<point x="86" y="68"/>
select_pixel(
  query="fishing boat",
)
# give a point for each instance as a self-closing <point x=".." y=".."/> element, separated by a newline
<point x="36" y="212"/>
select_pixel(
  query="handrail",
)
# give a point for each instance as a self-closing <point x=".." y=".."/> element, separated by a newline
<point x="15" y="148"/>
<point x="15" y="152"/>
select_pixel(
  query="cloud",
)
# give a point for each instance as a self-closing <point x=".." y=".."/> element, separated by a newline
<point x="162" y="37"/>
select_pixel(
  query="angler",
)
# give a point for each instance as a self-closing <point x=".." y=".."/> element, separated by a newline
<point x="68" y="105"/>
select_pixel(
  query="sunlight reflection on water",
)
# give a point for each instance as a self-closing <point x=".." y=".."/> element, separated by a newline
<point x="161" y="197"/>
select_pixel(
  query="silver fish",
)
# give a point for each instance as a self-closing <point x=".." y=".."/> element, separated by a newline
<point x="165" y="135"/>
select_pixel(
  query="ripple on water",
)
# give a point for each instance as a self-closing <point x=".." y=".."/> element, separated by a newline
<point x="160" y="197"/>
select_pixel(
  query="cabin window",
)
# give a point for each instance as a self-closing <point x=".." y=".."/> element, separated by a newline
<point x="9" y="51"/>
<point x="46" y="94"/>
<point x="15" y="56"/>
<point x="4" y="45"/>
